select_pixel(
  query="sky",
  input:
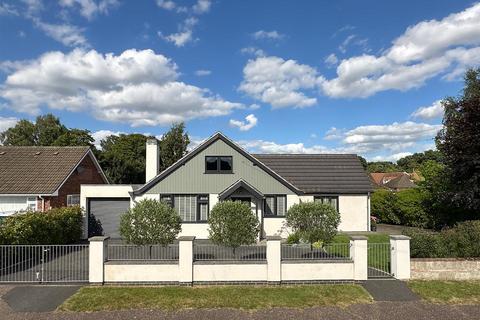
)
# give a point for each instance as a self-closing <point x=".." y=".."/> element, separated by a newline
<point x="277" y="76"/>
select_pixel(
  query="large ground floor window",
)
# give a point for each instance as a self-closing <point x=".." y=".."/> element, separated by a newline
<point x="331" y="200"/>
<point x="190" y="207"/>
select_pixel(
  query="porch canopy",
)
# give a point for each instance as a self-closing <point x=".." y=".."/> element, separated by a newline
<point x="239" y="186"/>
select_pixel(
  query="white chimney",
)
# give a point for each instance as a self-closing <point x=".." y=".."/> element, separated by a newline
<point x="152" y="161"/>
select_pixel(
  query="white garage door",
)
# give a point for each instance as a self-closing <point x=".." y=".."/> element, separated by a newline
<point x="108" y="211"/>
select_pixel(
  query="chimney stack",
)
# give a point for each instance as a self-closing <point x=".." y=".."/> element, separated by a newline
<point x="152" y="161"/>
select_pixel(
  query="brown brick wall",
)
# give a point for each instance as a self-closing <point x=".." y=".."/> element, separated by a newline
<point x="86" y="173"/>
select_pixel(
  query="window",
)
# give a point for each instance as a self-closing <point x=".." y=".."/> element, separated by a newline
<point x="331" y="200"/>
<point x="275" y="205"/>
<point x="190" y="207"/>
<point x="73" y="200"/>
<point x="31" y="203"/>
<point x="218" y="164"/>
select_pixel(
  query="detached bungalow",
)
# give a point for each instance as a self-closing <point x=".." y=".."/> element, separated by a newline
<point x="40" y="178"/>
<point x="219" y="169"/>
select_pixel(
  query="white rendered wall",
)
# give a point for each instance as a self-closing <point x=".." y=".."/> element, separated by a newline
<point x="230" y="272"/>
<point x="141" y="272"/>
<point x="353" y="212"/>
<point x="317" y="271"/>
<point x="199" y="230"/>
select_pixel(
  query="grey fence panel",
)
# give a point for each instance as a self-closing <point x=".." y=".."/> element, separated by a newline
<point x="379" y="265"/>
<point x="119" y="252"/>
<point x="44" y="263"/>
<point x="335" y="251"/>
<point x="211" y="252"/>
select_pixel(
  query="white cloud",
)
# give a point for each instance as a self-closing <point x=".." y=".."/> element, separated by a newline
<point x="425" y="50"/>
<point x="431" y="112"/>
<point x="185" y="34"/>
<point x="102" y="134"/>
<point x="279" y="82"/>
<point x="166" y="4"/>
<point x="202" y="6"/>
<point x="334" y="134"/>
<point x="392" y="158"/>
<point x="253" y="51"/>
<point x="270" y="35"/>
<point x="90" y="8"/>
<point x="331" y="60"/>
<point x="7" y="122"/>
<point x="33" y="6"/>
<point x="202" y="72"/>
<point x="7" y="9"/>
<point x="250" y="122"/>
<point x="345" y="43"/>
<point x="68" y="35"/>
<point x="136" y="87"/>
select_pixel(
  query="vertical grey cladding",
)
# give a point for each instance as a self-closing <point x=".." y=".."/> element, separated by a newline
<point x="191" y="177"/>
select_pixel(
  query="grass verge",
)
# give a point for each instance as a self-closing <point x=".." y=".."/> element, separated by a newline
<point x="451" y="292"/>
<point x="238" y="297"/>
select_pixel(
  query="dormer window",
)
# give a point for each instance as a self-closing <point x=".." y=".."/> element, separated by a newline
<point x="218" y="164"/>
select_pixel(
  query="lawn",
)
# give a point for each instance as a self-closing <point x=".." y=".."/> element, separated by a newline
<point x="451" y="292"/>
<point x="372" y="238"/>
<point x="238" y="297"/>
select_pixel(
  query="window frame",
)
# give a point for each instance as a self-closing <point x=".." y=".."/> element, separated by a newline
<point x="330" y="196"/>
<point x="69" y="197"/>
<point x="199" y="201"/>
<point x="29" y="201"/>
<point x="275" y="214"/>
<point x="218" y="170"/>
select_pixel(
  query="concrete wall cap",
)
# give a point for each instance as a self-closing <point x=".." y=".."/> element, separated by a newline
<point x="271" y="238"/>
<point x="358" y="238"/>
<point x="186" y="238"/>
<point x="98" y="238"/>
<point x="399" y="237"/>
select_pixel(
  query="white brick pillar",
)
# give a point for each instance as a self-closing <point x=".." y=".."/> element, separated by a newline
<point x="185" y="259"/>
<point x="359" y="255"/>
<point x="97" y="258"/>
<point x="400" y="256"/>
<point x="274" y="259"/>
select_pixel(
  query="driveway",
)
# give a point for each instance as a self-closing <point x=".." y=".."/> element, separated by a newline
<point x="378" y="310"/>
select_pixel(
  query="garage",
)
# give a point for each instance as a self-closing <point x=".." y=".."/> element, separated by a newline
<point x="108" y="211"/>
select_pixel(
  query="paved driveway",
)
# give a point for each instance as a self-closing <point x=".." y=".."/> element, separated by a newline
<point x="378" y="310"/>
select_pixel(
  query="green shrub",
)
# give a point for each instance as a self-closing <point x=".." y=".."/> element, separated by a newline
<point x="313" y="221"/>
<point x="409" y="208"/>
<point x="461" y="241"/>
<point x="150" y="222"/>
<point x="293" y="238"/>
<point x="232" y="224"/>
<point x="55" y="226"/>
<point x="383" y="204"/>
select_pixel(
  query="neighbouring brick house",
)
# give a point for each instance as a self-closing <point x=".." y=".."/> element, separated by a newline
<point x="40" y="178"/>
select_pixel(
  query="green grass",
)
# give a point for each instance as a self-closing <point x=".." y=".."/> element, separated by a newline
<point x="238" y="297"/>
<point x="372" y="238"/>
<point x="451" y="292"/>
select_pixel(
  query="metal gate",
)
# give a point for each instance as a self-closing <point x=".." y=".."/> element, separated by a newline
<point x="379" y="265"/>
<point x="44" y="263"/>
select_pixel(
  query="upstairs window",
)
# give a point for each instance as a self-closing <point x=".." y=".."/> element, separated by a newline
<point x="218" y="164"/>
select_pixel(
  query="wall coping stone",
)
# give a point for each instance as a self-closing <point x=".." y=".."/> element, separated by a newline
<point x="399" y="237"/>
<point x="98" y="238"/>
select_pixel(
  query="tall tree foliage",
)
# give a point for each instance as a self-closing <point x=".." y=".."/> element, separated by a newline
<point x="459" y="142"/>
<point x="173" y="145"/>
<point x="415" y="161"/>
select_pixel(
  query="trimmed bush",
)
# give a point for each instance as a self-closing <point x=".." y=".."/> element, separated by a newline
<point x="55" y="226"/>
<point x="461" y="241"/>
<point x="232" y="224"/>
<point x="409" y="208"/>
<point x="313" y="221"/>
<point x="383" y="205"/>
<point x="150" y="222"/>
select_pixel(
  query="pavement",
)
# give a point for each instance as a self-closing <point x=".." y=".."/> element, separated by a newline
<point x="401" y="310"/>
<point x="390" y="290"/>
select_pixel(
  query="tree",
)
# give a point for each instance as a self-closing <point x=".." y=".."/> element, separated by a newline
<point x="363" y="161"/>
<point x="313" y="221"/>
<point x="383" y="203"/>
<point x="459" y="143"/>
<point x="75" y="137"/>
<point x="415" y="161"/>
<point x="173" y="145"/>
<point x="382" y="166"/>
<point x="410" y="210"/>
<point x="22" y="134"/>
<point x="123" y="158"/>
<point x="232" y="224"/>
<point x="150" y="222"/>
<point x="48" y="129"/>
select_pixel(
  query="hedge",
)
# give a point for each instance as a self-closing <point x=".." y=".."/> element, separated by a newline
<point x="55" y="226"/>
<point x="461" y="241"/>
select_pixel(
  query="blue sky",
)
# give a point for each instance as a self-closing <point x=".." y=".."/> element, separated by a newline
<point x="277" y="76"/>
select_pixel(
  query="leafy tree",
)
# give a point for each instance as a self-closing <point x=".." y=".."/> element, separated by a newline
<point x="363" y="161"/>
<point x="415" y="161"/>
<point x="22" y="134"/>
<point x="75" y="137"/>
<point x="459" y="143"/>
<point x="313" y="221"/>
<point x="383" y="204"/>
<point x="382" y="166"/>
<point x="123" y="158"/>
<point x="173" y="145"/>
<point x="232" y="224"/>
<point x="48" y="129"/>
<point x="409" y="208"/>
<point x="150" y="222"/>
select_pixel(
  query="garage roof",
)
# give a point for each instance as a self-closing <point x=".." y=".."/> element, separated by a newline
<point x="37" y="170"/>
<point x="320" y="173"/>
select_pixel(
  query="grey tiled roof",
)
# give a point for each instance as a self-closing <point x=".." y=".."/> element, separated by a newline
<point x="36" y="170"/>
<point x="320" y="173"/>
